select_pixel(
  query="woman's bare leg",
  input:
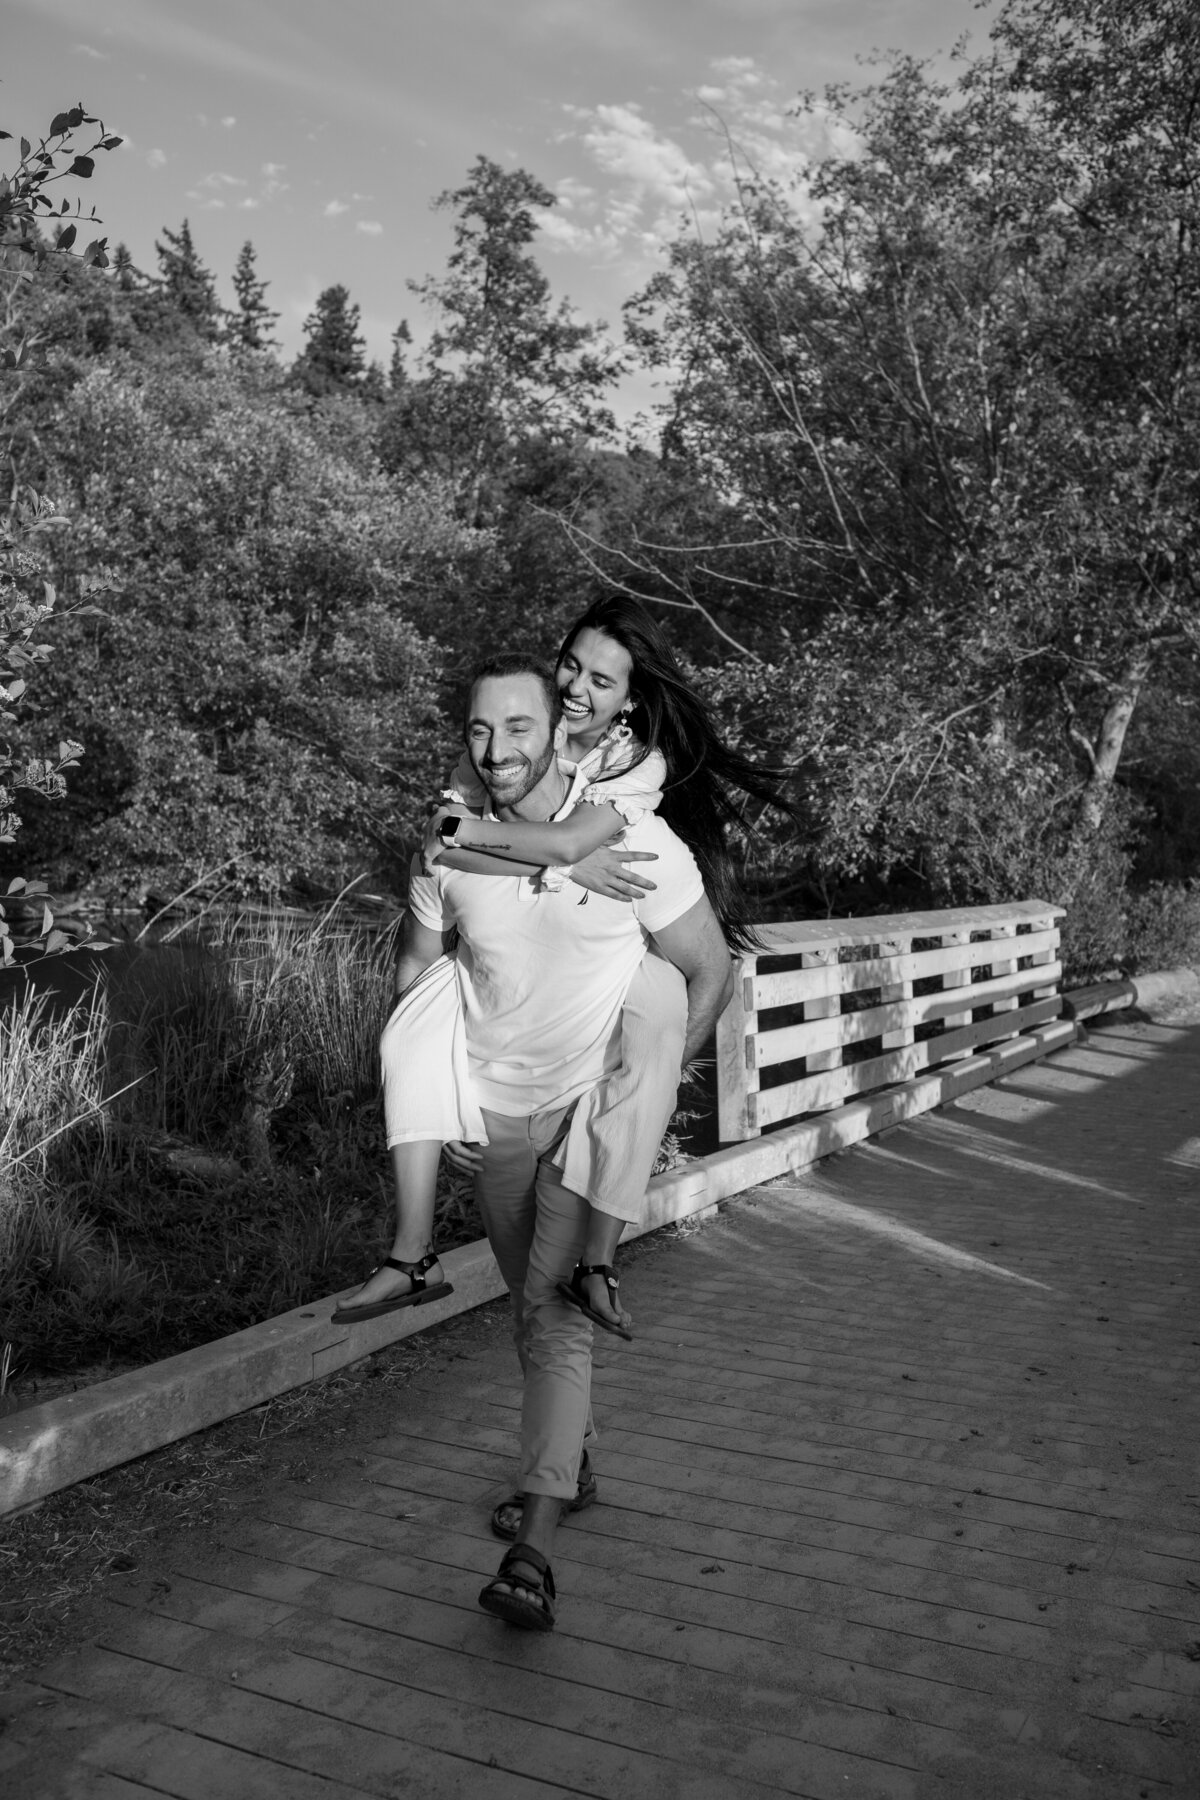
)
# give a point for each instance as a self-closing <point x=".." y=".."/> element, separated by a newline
<point x="600" y="1246"/>
<point x="414" y="1174"/>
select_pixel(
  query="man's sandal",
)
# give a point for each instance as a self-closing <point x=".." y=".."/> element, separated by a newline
<point x="526" y="1600"/>
<point x="573" y="1293"/>
<point x="506" y="1518"/>
<point x="419" y="1294"/>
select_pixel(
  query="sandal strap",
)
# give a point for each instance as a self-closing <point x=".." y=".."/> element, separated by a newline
<point x="533" y="1559"/>
<point x="582" y="1270"/>
<point x="416" y="1271"/>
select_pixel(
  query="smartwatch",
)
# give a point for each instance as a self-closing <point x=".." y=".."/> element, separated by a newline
<point x="449" y="831"/>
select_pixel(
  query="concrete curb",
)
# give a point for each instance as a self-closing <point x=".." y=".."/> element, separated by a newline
<point x="52" y="1446"/>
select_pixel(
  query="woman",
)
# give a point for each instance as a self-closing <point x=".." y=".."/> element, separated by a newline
<point x="644" y="739"/>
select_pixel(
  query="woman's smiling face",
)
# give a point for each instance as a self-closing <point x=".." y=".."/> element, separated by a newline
<point x="593" y="678"/>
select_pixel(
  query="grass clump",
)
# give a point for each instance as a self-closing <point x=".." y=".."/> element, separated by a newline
<point x="196" y="1145"/>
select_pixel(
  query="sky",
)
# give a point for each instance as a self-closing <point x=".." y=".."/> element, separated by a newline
<point x="321" y="130"/>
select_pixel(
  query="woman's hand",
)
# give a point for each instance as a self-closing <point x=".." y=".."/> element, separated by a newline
<point x="605" y="872"/>
<point x="466" y="1158"/>
<point x="431" y="843"/>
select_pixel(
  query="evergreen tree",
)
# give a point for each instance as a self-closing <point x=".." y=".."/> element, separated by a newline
<point x="398" y="368"/>
<point x="186" y="285"/>
<point x="251" y="327"/>
<point x="123" y="269"/>
<point x="332" y="361"/>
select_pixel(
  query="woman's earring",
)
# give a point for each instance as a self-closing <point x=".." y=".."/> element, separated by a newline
<point x="624" y="729"/>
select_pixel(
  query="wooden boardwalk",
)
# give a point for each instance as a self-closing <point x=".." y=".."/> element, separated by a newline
<point x="900" y="1497"/>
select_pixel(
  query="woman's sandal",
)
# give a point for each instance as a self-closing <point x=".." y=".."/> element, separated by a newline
<point x="572" y="1292"/>
<point x="525" y="1600"/>
<point x="419" y="1294"/>
<point x="585" y="1494"/>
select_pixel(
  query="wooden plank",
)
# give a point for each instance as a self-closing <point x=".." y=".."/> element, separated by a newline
<point x="795" y="986"/>
<point x="955" y="978"/>
<point x="827" y="1010"/>
<point x="1042" y="957"/>
<point x="791" y="1041"/>
<point x="790" y="937"/>
<point x="741" y="1166"/>
<point x="895" y="993"/>
<point x="1003" y="967"/>
<point x="814" y="1091"/>
<point x="44" y="1448"/>
<point x="737" y="1071"/>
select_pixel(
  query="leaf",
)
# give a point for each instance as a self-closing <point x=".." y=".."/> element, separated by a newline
<point x="15" y="690"/>
<point x="82" y="166"/>
<point x="110" y="143"/>
<point x="56" y="941"/>
<point x="66" y="238"/>
<point x="47" y="921"/>
<point x="17" y="885"/>
<point x="26" y="147"/>
<point x="60" y="124"/>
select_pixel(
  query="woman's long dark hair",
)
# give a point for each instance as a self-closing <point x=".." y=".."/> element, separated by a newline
<point x="668" y="717"/>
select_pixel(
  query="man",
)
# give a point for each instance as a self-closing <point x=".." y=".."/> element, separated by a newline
<point x="542" y="976"/>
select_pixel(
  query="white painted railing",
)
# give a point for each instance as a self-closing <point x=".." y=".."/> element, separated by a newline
<point x="833" y="1008"/>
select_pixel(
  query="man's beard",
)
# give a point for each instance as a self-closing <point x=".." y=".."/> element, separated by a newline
<point x="519" y="777"/>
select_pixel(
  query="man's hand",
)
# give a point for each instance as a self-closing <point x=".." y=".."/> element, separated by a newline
<point x="605" y="871"/>
<point x="466" y="1158"/>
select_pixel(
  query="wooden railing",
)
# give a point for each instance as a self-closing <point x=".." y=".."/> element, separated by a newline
<point x="830" y="1009"/>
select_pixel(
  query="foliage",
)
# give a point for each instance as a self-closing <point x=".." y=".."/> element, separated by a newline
<point x="943" y="396"/>
<point x="27" y="598"/>
<point x="259" y="698"/>
<point x="197" y="1148"/>
<point x="503" y="366"/>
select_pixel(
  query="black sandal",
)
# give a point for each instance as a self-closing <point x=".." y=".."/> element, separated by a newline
<point x="524" y="1600"/>
<point x="585" y="1495"/>
<point x="572" y="1292"/>
<point x="419" y="1294"/>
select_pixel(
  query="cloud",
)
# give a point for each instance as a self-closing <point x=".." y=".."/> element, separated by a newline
<point x="92" y="54"/>
<point x="229" y="122"/>
<point x="218" y="179"/>
<point x="369" y="227"/>
<point x="654" y="177"/>
<point x="334" y="208"/>
<point x="628" y="148"/>
<point x="157" y="159"/>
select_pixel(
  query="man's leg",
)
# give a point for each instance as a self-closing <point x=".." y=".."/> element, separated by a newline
<point x="556" y="1356"/>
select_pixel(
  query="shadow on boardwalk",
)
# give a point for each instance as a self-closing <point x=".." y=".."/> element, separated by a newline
<point x="900" y="1498"/>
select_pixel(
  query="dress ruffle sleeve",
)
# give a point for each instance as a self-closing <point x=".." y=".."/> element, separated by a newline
<point x="631" y="791"/>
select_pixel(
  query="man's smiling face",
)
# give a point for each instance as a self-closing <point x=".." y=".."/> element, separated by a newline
<point x="510" y="740"/>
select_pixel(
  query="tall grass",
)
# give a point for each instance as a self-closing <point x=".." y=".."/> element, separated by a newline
<point x="197" y="1145"/>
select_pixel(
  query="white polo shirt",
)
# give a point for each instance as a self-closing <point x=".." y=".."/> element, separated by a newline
<point x="542" y="976"/>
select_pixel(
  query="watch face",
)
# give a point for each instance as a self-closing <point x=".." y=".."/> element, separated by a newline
<point x="450" y="829"/>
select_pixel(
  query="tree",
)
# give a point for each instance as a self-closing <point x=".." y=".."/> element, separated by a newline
<point x="953" y="423"/>
<point x="251" y="327"/>
<point x="186" y="285"/>
<point x="504" y="365"/>
<point x="332" y="360"/>
<point x="28" y="599"/>
<point x="264" y="693"/>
